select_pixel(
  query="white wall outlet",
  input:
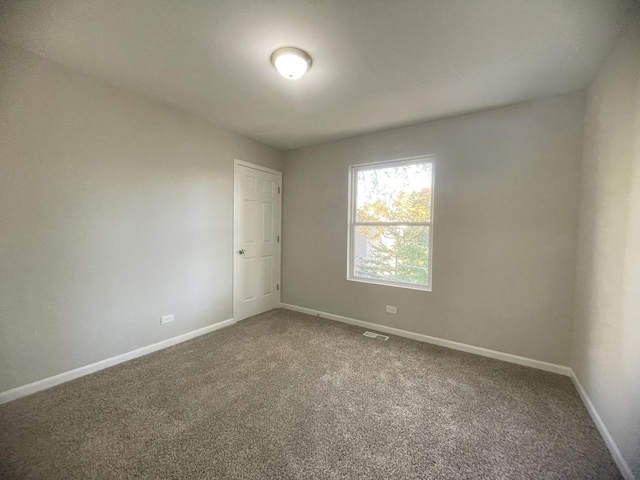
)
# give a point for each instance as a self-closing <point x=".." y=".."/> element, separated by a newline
<point x="391" y="309"/>
<point x="166" y="319"/>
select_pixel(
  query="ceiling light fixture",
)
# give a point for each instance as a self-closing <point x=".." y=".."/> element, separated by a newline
<point x="292" y="63"/>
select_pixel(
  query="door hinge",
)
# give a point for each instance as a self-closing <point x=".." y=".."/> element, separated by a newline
<point x="277" y="286"/>
<point x="278" y="189"/>
<point x="278" y="238"/>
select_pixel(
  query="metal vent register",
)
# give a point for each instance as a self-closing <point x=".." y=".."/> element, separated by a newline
<point x="377" y="336"/>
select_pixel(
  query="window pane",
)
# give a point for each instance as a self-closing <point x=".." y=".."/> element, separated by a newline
<point x="398" y="254"/>
<point x="394" y="194"/>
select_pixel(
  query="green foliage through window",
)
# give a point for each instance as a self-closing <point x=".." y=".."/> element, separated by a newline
<point x="392" y="228"/>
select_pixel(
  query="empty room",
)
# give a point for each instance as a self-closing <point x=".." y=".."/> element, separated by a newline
<point x="320" y="239"/>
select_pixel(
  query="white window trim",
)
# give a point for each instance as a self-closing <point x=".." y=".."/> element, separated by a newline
<point x="352" y="223"/>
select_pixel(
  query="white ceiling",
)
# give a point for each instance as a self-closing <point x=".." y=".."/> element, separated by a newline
<point x="377" y="63"/>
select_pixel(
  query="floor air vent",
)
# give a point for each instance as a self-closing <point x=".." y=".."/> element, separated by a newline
<point x="377" y="336"/>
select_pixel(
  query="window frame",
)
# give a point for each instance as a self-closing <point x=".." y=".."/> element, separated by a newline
<point x="352" y="223"/>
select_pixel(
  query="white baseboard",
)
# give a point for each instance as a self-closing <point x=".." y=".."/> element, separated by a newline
<point x="43" y="384"/>
<point x="606" y="436"/>
<point x="485" y="352"/>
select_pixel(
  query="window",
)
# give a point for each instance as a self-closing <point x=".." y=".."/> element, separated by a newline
<point x="390" y="223"/>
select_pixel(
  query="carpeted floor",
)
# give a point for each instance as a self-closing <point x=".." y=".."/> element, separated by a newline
<point x="286" y="395"/>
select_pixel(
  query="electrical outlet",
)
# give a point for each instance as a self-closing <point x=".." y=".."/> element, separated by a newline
<point x="391" y="309"/>
<point x="166" y="319"/>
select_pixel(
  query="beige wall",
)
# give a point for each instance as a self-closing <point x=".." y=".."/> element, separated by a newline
<point x="505" y="228"/>
<point x="606" y="334"/>
<point x="114" y="210"/>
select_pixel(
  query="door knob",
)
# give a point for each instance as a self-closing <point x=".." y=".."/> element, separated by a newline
<point x="242" y="252"/>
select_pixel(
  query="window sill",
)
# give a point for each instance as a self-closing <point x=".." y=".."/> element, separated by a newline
<point x="409" y="286"/>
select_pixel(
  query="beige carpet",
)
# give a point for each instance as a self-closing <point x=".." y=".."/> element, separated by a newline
<point x="286" y="395"/>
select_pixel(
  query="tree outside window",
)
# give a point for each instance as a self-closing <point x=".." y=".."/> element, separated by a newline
<point x="391" y="227"/>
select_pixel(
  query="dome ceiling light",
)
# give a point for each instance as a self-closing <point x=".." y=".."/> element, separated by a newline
<point x="292" y="63"/>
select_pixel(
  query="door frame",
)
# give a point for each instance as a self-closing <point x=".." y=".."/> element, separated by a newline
<point x="241" y="163"/>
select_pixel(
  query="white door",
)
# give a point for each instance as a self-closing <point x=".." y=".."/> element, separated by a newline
<point x="256" y="282"/>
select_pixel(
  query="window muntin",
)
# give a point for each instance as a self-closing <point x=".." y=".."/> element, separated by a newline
<point x="390" y="230"/>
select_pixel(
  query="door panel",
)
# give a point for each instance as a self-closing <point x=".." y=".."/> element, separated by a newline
<point x="249" y="228"/>
<point x="249" y="279"/>
<point x="267" y="222"/>
<point x="267" y="276"/>
<point x="257" y="241"/>
<point x="268" y="187"/>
